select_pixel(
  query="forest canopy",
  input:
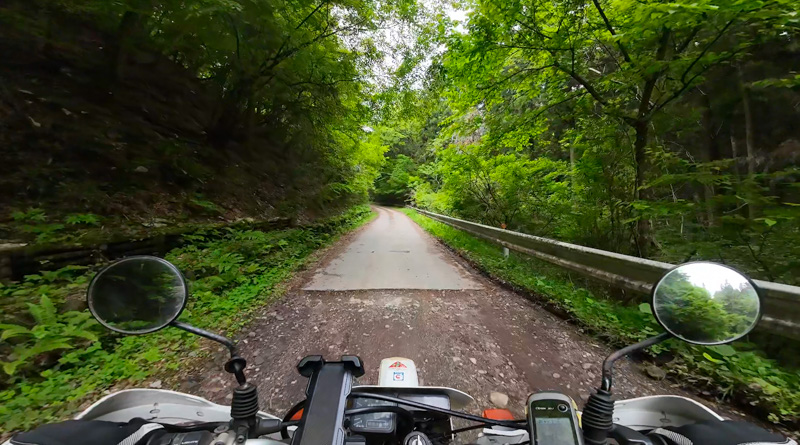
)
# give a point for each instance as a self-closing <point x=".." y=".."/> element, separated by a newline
<point x="279" y="87"/>
<point x="663" y="130"/>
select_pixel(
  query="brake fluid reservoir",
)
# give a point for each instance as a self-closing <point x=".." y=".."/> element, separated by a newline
<point x="398" y="371"/>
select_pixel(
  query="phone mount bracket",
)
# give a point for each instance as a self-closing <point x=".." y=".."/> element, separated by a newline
<point x="329" y="385"/>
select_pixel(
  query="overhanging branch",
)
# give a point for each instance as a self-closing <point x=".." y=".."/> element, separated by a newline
<point x="610" y="29"/>
<point x="585" y="83"/>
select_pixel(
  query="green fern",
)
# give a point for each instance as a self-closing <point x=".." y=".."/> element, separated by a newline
<point x="52" y="331"/>
<point x="45" y="312"/>
<point x="32" y="215"/>
<point x="88" y="219"/>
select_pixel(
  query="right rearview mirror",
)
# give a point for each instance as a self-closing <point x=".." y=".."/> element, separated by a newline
<point x="706" y="303"/>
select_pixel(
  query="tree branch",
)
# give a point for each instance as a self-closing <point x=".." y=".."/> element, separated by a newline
<point x="585" y="83"/>
<point x="535" y="30"/>
<point x="280" y="57"/>
<point x="534" y="48"/>
<point x="682" y="47"/>
<point x="611" y="30"/>
<point x="310" y="15"/>
<point x="608" y="50"/>
<point x="705" y="50"/>
<point x="236" y="33"/>
<point x="650" y="83"/>
<point x="507" y="78"/>
<point x="555" y="104"/>
<point x="687" y="84"/>
<point x="322" y="83"/>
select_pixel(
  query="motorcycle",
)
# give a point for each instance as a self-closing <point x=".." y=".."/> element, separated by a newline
<point x="701" y="303"/>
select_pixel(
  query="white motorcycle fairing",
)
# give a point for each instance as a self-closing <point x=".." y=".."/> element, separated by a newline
<point x="167" y="407"/>
<point x="647" y="413"/>
<point x="171" y="407"/>
<point x="640" y="414"/>
<point x="398" y="375"/>
<point x="158" y="405"/>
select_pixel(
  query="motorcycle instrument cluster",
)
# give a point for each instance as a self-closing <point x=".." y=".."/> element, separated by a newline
<point x="372" y="423"/>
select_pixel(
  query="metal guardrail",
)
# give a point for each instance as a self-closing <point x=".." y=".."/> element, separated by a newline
<point x="781" y="301"/>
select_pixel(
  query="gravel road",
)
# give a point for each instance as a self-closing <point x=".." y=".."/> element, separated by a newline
<point x="389" y="289"/>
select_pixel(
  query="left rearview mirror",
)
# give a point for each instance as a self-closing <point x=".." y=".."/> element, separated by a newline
<point x="137" y="295"/>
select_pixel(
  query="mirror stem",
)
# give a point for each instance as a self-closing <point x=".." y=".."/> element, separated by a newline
<point x="209" y="335"/>
<point x="608" y="364"/>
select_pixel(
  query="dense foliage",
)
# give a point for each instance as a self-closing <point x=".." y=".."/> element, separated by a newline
<point x="264" y="98"/>
<point x="664" y="130"/>
<point x="738" y="372"/>
<point x="54" y="355"/>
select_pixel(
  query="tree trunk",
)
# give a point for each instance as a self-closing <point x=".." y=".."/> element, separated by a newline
<point x="735" y="155"/>
<point x="640" y="125"/>
<point x="223" y="126"/>
<point x="231" y="116"/>
<point x="46" y="47"/>
<point x="125" y="40"/>
<point x="710" y="154"/>
<point x="643" y="225"/>
<point x="749" y="139"/>
<point x="572" y="166"/>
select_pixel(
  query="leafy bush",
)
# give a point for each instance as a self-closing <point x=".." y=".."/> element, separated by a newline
<point x="88" y="219"/>
<point x="52" y="331"/>
<point x="34" y="222"/>
<point x="32" y="215"/>
<point x="738" y="371"/>
<point x="204" y="204"/>
<point x="58" y="285"/>
<point x="231" y="272"/>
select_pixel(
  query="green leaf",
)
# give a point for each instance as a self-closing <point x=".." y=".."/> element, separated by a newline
<point x="712" y="359"/>
<point x="91" y="336"/>
<point x="152" y="355"/>
<point x="84" y="218"/>
<point x="11" y="331"/>
<point x="770" y="222"/>
<point x="47" y="346"/>
<point x="645" y="308"/>
<point x="723" y="350"/>
<point x="10" y="367"/>
<point x="45" y="312"/>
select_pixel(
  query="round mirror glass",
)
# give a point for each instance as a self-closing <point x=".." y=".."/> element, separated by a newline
<point x="706" y="303"/>
<point x="137" y="295"/>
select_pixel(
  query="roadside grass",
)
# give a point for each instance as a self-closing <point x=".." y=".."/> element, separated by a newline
<point x="231" y="273"/>
<point x="739" y="372"/>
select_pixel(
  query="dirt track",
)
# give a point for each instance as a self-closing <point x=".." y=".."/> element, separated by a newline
<point x="479" y="340"/>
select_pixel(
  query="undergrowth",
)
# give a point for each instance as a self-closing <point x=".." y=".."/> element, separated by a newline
<point x="231" y="272"/>
<point x="40" y="230"/>
<point x="739" y="371"/>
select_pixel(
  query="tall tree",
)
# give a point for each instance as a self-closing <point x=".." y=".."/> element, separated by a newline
<point x="627" y="60"/>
